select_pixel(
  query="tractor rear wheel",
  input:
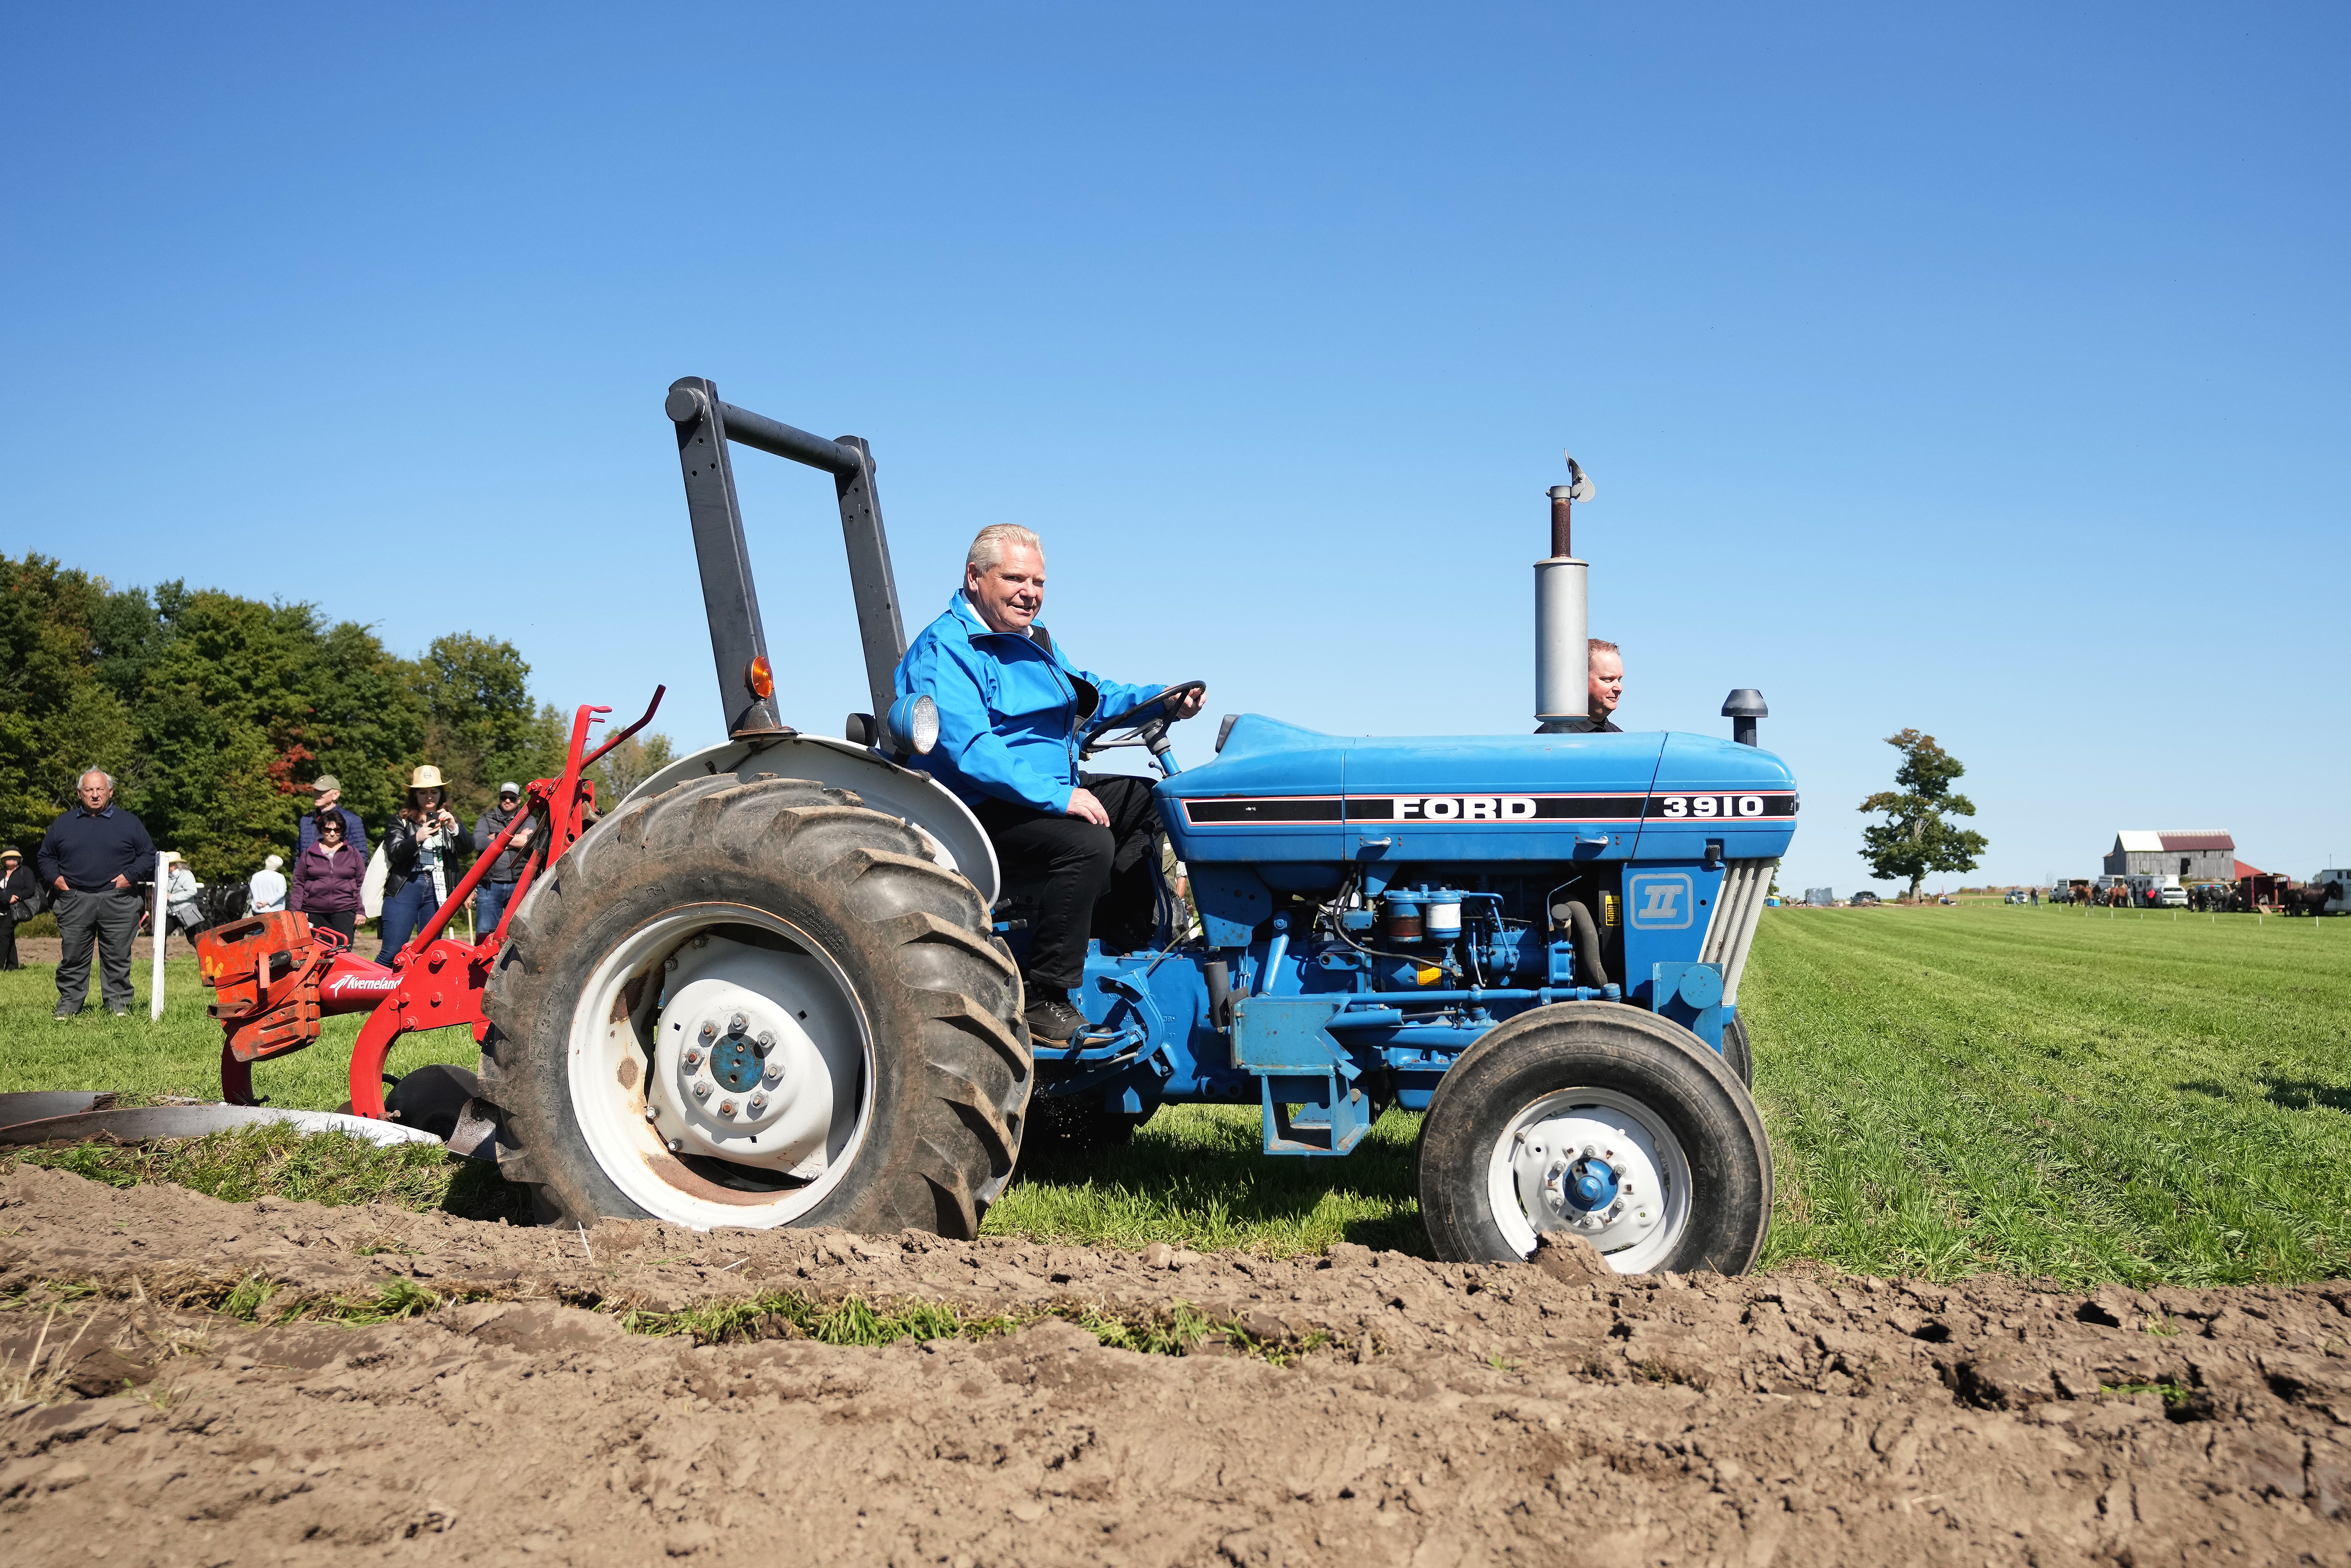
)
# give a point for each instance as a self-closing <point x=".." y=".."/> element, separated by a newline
<point x="756" y="1003"/>
<point x="1602" y="1121"/>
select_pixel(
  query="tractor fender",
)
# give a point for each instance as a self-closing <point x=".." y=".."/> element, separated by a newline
<point x="960" y="844"/>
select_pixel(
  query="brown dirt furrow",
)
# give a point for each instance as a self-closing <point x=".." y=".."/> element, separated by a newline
<point x="1475" y="1415"/>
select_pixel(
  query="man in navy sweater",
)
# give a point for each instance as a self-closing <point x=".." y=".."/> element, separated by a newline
<point x="94" y="857"/>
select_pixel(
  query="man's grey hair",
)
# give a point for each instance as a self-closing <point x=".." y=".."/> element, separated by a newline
<point x="102" y="772"/>
<point x="989" y="545"/>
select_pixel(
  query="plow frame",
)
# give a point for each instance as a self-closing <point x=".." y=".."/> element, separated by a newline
<point x="434" y="982"/>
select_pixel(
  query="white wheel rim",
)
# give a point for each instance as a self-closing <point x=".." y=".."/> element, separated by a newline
<point x="1560" y="1127"/>
<point x="823" y="1043"/>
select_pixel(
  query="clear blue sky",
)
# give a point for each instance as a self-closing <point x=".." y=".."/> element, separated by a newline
<point x="1976" y="369"/>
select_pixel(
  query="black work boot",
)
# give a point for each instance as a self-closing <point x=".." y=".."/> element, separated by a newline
<point x="1052" y="1019"/>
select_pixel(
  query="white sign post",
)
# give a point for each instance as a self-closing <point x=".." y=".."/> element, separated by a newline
<point x="162" y="919"/>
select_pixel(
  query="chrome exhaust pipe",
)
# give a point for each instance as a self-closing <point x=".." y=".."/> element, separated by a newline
<point x="1562" y="617"/>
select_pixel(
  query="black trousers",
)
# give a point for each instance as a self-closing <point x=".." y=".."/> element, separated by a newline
<point x="110" y="918"/>
<point x="1085" y="881"/>
<point x="8" y="943"/>
<point x="346" y="921"/>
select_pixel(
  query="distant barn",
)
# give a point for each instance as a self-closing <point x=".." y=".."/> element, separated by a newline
<point x="2204" y="856"/>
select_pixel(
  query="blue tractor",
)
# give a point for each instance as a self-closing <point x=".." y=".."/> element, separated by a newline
<point x="778" y="984"/>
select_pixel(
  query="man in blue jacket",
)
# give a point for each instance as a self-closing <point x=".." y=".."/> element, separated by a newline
<point x="1012" y="709"/>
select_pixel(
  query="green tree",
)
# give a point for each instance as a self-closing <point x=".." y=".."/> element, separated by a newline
<point x="627" y="765"/>
<point x="481" y="726"/>
<point x="215" y="713"/>
<point x="56" y="716"/>
<point x="1915" y="839"/>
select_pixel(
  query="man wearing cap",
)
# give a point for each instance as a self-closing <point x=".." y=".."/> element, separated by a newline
<point x="330" y="795"/>
<point x="498" y="883"/>
<point x="20" y="900"/>
<point x="95" y="857"/>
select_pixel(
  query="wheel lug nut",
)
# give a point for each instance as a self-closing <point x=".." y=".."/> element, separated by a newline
<point x="702" y="1092"/>
<point x="652" y="1112"/>
<point x="765" y="1043"/>
<point x="727" y="1107"/>
<point x="775" y="1073"/>
<point x="737" y="1024"/>
<point x="709" y="1031"/>
<point x="758" y="1104"/>
<point x="693" y="1058"/>
<point x="677" y="1145"/>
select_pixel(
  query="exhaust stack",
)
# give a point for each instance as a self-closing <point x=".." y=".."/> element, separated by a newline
<point x="1562" y="618"/>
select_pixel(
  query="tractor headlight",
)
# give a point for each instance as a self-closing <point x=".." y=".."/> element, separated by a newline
<point x="913" y="724"/>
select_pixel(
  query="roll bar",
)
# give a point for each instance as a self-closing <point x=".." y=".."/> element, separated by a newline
<point x="738" y="640"/>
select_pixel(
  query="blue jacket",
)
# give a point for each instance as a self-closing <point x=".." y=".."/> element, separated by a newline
<point x="1011" y="708"/>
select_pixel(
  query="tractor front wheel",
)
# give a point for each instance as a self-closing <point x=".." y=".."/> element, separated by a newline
<point x="756" y="1003"/>
<point x="1602" y="1121"/>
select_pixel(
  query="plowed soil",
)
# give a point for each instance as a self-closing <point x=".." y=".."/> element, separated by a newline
<point x="1425" y="1414"/>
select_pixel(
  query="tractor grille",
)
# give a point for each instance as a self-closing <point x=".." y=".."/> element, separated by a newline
<point x="1735" y="910"/>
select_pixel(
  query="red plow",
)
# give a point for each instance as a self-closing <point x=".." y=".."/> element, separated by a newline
<point x="274" y="978"/>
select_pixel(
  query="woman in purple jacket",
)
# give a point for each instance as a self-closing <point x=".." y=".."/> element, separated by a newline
<point x="327" y="878"/>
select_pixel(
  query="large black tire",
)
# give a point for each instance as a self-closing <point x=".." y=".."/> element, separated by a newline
<point x="1737" y="1051"/>
<point x="1615" y="1049"/>
<point x="946" y="1055"/>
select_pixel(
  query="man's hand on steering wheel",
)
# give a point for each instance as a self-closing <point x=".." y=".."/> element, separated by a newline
<point x="1180" y="701"/>
<point x="1175" y="703"/>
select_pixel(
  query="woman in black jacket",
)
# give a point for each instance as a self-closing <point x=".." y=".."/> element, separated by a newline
<point x="20" y="900"/>
<point x="423" y="854"/>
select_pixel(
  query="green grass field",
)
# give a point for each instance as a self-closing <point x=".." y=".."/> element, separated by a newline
<point x="1948" y="1091"/>
<point x="2142" y="1097"/>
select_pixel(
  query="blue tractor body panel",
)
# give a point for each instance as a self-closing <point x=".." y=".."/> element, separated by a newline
<point x="1370" y="906"/>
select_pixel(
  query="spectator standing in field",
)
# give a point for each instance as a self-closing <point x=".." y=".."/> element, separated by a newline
<point x="96" y="857"/>
<point x="327" y="878"/>
<point x="420" y="855"/>
<point x="329" y="803"/>
<point x="498" y="883"/>
<point x="270" y="886"/>
<point x="181" y="913"/>
<point x="20" y="900"/>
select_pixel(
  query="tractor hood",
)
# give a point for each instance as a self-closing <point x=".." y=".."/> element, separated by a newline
<point x="1276" y="792"/>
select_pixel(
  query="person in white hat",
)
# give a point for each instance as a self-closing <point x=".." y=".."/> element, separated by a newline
<point x="20" y="900"/>
<point x="270" y="886"/>
<point x="181" y="913"/>
<point x="422" y="850"/>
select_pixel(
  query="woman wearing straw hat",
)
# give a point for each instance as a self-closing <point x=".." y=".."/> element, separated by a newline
<point x="180" y="897"/>
<point x="20" y="900"/>
<point x="420" y="854"/>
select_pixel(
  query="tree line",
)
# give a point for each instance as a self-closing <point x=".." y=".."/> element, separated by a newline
<point x="215" y="713"/>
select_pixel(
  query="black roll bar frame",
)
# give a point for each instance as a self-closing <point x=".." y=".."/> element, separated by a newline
<point x="738" y="639"/>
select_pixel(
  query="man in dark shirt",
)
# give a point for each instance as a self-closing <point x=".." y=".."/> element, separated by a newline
<point x="497" y="884"/>
<point x="94" y="857"/>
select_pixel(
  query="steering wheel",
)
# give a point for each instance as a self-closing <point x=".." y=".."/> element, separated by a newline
<point x="1137" y="720"/>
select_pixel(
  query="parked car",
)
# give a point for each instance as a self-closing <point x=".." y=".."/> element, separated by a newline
<point x="2015" y="895"/>
<point x="1862" y="900"/>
